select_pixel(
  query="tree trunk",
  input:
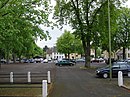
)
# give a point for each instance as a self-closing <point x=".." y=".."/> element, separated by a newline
<point x="0" y="57"/>
<point x="84" y="47"/>
<point x="124" y="55"/>
<point x="20" y="58"/>
<point x="95" y="52"/>
<point x="14" y="58"/>
<point x="7" y="57"/>
<point x="68" y="55"/>
<point x="65" y="55"/>
<point x="88" y="52"/>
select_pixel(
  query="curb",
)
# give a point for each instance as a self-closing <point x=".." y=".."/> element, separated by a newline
<point x="126" y="87"/>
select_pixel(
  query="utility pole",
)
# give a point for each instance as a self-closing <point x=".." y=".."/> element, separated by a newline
<point x="109" y="29"/>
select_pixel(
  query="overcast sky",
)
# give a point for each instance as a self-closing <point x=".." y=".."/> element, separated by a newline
<point x="55" y="33"/>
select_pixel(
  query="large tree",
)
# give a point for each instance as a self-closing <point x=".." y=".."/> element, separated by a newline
<point x="19" y="26"/>
<point x="122" y="36"/>
<point x="65" y="43"/>
<point x="81" y="15"/>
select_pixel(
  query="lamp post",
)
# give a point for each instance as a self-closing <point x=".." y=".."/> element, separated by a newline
<point x="109" y="28"/>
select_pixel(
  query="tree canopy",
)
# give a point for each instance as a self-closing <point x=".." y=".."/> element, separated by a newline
<point x="67" y="44"/>
<point x="19" y="26"/>
<point x="82" y="16"/>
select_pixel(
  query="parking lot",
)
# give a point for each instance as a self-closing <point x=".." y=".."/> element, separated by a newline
<point x="75" y="81"/>
<point x="72" y="81"/>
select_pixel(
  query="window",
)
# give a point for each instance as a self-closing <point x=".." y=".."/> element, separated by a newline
<point x="123" y="66"/>
<point x="115" y="66"/>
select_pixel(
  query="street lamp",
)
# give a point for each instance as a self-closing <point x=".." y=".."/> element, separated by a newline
<point x="109" y="28"/>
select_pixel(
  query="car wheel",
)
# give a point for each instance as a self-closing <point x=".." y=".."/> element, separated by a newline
<point x="105" y="75"/>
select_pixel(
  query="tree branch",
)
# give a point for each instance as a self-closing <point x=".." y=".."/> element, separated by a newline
<point x="4" y="4"/>
<point x="97" y="11"/>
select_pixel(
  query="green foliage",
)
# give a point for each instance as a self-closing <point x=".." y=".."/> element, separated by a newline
<point x="67" y="44"/>
<point x="88" y="17"/>
<point x="122" y="36"/>
<point x="19" y="26"/>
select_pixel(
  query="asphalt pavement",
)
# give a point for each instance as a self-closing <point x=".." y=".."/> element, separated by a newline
<point x="74" y="81"/>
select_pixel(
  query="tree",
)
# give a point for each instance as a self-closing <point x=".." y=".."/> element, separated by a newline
<point x="19" y="26"/>
<point x="81" y="15"/>
<point x="65" y="43"/>
<point x="122" y="36"/>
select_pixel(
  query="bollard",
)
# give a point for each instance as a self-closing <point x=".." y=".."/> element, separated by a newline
<point x="120" y="78"/>
<point x="11" y="77"/>
<point x="29" y="77"/>
<point x="128" y="74"/>
<point x="44" y="88"/>
<point x="49" y="77"/>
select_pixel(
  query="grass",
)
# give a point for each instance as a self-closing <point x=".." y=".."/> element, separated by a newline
<point x="22" y="90"/>
<point x="83" y="67"/>
<point x="127" y="83"/>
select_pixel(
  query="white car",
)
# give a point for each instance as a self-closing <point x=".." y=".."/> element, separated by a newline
<point x="45" y="61"/>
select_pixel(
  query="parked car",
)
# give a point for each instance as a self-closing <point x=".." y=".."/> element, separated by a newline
<point x="112" y="60"/>
<point x="98" y="60"/>
<point x="3" y="61"/>
<point x="64" y="62"/>
<point x="116" y="66"/>
<point x="32" y="61"/>
<point x="25" y="60"/>
<point x="71" y="60"/>
<point x="45" y="61"/>
<point x="38" y="59"/>
<point x="80" y="60"/>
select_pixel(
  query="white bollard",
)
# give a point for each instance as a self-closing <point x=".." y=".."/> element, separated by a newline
<point x="49" y="77"/>
<point x="128" y="74"/>
<point x="11" y="77"/>
<point x="29" y="77"/>
<point x="120" y="78"/>
<point x="44" y="88"/>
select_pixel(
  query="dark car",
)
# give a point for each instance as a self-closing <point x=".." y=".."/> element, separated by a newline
<point x="65" y="62"/>
<point x="116" y="66"/>
<point x="71" y="60"/>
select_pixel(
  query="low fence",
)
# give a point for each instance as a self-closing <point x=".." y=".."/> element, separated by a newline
<point x="23" y="78"/>
<point x="19" y="78"/>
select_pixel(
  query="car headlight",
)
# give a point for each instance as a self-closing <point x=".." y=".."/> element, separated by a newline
<point x="98" y="71"/>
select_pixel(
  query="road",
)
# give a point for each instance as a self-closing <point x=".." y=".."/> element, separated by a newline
<point x="76" y="82"/>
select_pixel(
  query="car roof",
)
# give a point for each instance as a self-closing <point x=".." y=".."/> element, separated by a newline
<point x="119" y="63"/>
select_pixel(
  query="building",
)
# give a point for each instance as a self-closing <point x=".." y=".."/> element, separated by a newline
<point x="51" y="53"/>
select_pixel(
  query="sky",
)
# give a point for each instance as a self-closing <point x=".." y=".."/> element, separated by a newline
<point x="55" y="33"/>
